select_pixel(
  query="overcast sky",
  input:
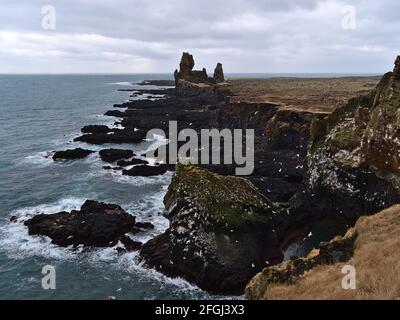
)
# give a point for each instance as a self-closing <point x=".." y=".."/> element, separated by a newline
<point x="137" y="36"/>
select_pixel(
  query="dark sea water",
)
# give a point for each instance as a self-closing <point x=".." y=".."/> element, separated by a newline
<point x="38" y="115"/>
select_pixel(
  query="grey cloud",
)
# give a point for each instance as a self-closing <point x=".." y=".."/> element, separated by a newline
<point x="246" y="35"/>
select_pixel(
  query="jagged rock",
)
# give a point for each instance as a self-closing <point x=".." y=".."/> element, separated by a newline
<point x="338" y="250"/>
<point x="196" y="84"/>
<point x="117" y="136"/>
<point x="219" y="74"/>
<point x="148" y="171"/>
<point x="397" y="67"/>
<point x="220" y="231"/>
<point x="95" y="129"/>
<point x="112" y="155"/>
<point x="354" y="159"/>
<point x="72" y="154"/>
<point x="371" y="247"/>
<point x="95" y="224"/>
<point x="125" y="163"/>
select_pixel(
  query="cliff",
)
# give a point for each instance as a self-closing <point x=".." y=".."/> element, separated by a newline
<point x="371" y="247"/>
<point x="220" y="231"/>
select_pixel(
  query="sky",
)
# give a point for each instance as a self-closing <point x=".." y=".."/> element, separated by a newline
<point x="246" y="36"/>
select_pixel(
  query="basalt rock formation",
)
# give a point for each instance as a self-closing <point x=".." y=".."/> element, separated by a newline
<point x="71" y="154"/>
<point x="354" y="157"/>
<point x="220" y="231"/>
<point x="371" y="247"/>
<point x="94" y="225"/>
<point x="219" y="73"/>
<point x="197" y="84"/>
<point x="112" y="155"/>
<point x="354" y="170"/>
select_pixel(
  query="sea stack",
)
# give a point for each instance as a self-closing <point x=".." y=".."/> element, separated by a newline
<point x="196" y="84"/>
<point x="219" y="73"/>
<point x="397" y="67"/>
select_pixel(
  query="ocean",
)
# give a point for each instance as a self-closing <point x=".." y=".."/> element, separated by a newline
<point x="43" y="113"/>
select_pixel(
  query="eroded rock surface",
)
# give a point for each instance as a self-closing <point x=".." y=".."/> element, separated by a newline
<point x="220" y="231"/>
<point x="94" y="225"/>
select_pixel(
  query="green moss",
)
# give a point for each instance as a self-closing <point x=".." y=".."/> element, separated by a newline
<point x="230" y="202"/>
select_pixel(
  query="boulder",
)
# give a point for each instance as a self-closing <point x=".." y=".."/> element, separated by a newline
<point x="133" y="162"/>
<point x="112" y="155"/>
<point x="220" y="231"/>
<point x="71" y="154"/>
<point x="95" y="129"/>
<point x="148" y="171"/>
<point x="95" y="224"/>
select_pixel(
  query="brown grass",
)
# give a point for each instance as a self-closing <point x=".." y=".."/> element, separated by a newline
<point x="376" y="259"/>
<point x="309" y="94"/>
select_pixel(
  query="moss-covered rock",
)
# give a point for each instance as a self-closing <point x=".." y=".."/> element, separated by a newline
<point x="221" y="232"/>
<point x="354" y="168"/>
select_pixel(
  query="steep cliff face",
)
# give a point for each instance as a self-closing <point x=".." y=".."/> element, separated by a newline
<point x="354" y="158"/>
<point x="220" y="231"/>
<point x="371" y="248"/>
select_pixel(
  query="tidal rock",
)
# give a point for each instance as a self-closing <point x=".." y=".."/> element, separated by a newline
<point x="148" y="171"/>
<point x="95" y="224"/>
<point x="95" y="129"/>
<point x="117" y="136"/>
<point x="133" y="162"/>
<point x="220" y="231"/>
<point x="72" y="154"/>
<point x="112" y="155"/>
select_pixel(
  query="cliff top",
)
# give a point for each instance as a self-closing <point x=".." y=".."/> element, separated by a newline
<point x="317" y="95"/>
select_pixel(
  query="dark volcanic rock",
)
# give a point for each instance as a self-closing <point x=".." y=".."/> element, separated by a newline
<point x="112" y="155"/>
<point x="220" y="231"/>
<point x="72" y="154"/>
<point x="96" y="224"/>
<point x="117" y="136"/>
<point x="158" y="83"/>
<point x="148" y="171"/>
<point x="219" y="73"/>
<point x="95" y="129"/>
<point x="397" y="67"/>
<point x="133" y="162"/>
<point x="354" y="162"/>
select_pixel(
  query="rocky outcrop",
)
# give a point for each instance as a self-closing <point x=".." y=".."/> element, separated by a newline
<point x="112" y="155"/>
<point x="71" y="154"/>
<point x="371" y="248"/>
<point x="148" y="171"/>
<point x="220" y="231"/>
<point x="192" y="84"/>
<point x="354" y="159"/>
<point x="219" y="73"/>
<point x="94" y="225"/>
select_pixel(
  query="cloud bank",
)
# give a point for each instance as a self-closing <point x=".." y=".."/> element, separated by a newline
<point x="137" y="36"/>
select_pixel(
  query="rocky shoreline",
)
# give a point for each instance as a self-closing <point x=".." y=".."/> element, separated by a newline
<point x="311" y="163"/>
